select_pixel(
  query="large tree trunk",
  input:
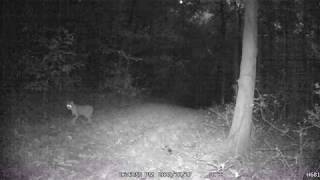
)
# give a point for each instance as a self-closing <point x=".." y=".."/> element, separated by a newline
<point x="237" y="49"/>
<point x="239" y="135"/>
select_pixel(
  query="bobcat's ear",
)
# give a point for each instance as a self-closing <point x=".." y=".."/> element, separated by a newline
<point x="69" y="102"/>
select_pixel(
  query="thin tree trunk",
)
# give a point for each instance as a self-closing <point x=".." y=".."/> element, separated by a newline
<point x="131" y="13"/>
<point x="307" y="62"/>
<point x="239" y="135"/>
<point x="4" y="49"/>
<point x="223" y="63"/>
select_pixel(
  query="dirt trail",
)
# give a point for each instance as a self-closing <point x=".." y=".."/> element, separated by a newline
<point x="146" y="137"/>
<point x="155" y="138"/>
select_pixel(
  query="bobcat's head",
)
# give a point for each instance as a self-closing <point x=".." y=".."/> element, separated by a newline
<point x="70" y="105"/>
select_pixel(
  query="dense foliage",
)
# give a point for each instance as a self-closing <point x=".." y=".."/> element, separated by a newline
<point x="188" y="50"/>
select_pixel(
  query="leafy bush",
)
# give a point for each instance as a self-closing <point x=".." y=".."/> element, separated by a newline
<point x="118" y="77"/>
<point x="51" y="66"/>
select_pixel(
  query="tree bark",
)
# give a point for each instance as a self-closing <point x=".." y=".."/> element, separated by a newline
<point x="237" y="50"/>
<point x="239" y="135"/>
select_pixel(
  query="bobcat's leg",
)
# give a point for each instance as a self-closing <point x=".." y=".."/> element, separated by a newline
<point x="73" y="121"/>
<point x="89" y="119"/>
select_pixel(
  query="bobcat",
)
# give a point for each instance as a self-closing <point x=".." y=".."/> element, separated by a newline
<point x="80" y="110"/>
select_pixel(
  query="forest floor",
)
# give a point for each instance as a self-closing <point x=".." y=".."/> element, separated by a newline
<point x="138" y="141"/>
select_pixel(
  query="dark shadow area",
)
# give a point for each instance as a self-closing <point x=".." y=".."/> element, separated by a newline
<point x="159" y="80"/>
